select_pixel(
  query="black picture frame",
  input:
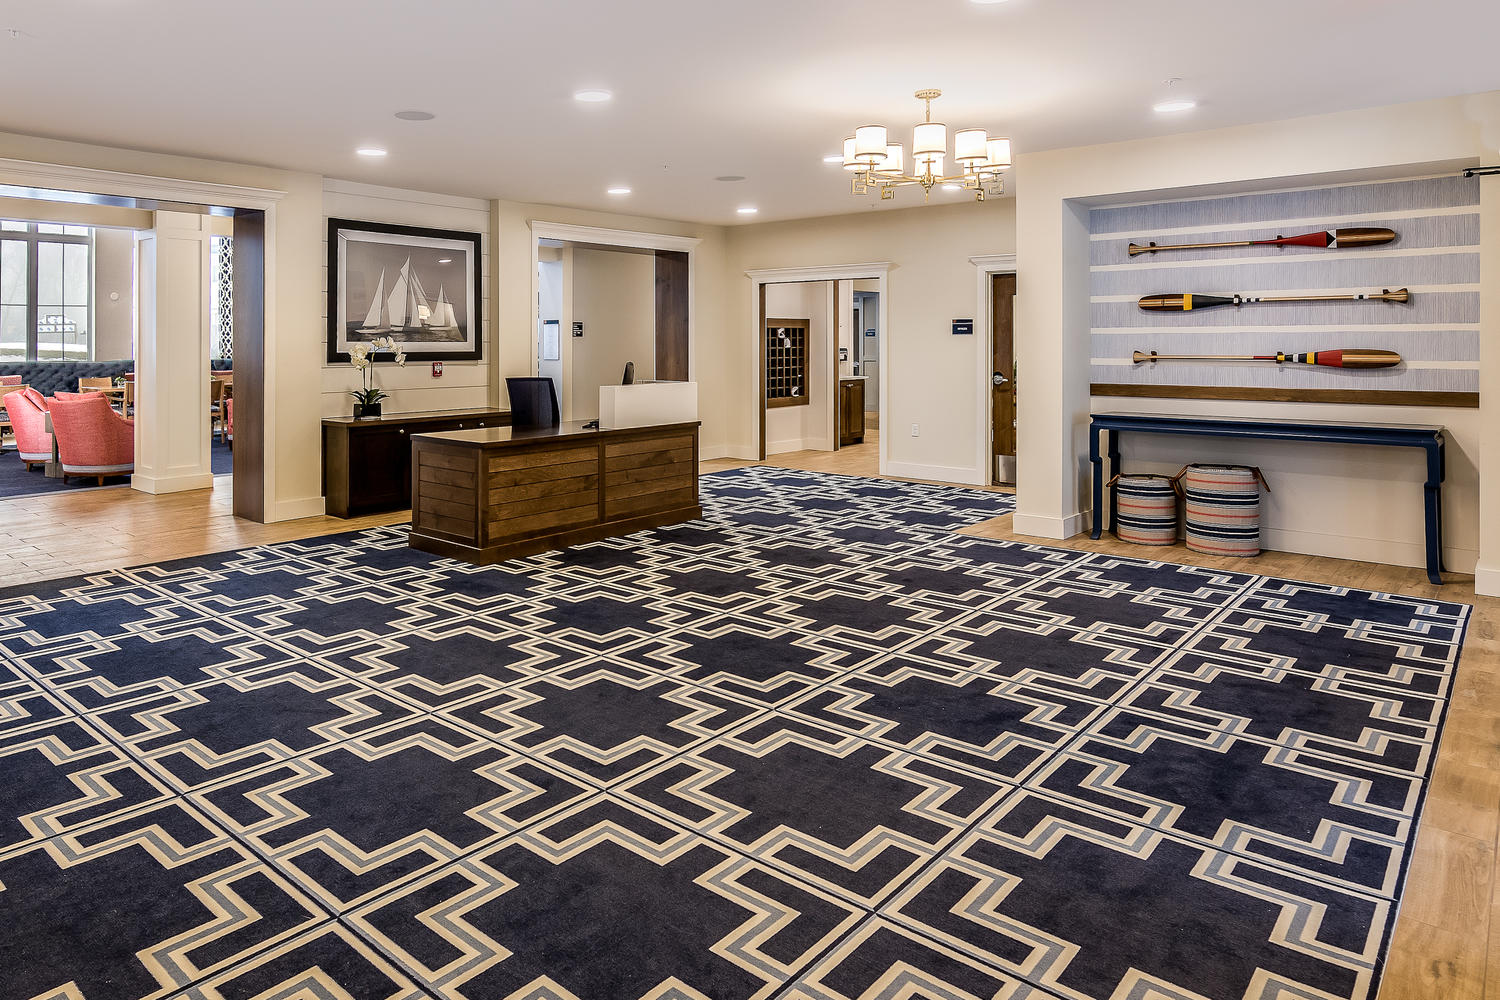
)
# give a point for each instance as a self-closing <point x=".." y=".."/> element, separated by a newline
<point x="347" y="237"/>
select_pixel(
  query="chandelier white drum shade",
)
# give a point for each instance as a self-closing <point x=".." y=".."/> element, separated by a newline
<point x="878" y="163"/>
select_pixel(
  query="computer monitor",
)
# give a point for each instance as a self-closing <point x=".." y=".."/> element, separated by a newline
<point x="533" y="403"/>
<point x="629" y="378"/>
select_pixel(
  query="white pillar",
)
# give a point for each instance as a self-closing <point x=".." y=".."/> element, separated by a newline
<point x="171" y="360"/>
<point x="1487" y="572"/>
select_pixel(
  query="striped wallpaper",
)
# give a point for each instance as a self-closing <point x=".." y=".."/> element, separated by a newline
<point x="1435" y="255"/>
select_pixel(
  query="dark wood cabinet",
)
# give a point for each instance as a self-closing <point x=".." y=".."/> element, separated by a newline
<point x="367" y="463"/>
<point x="851" y="411"/>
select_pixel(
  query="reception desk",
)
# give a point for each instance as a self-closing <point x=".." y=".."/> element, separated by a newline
<point x="496" y="493"/>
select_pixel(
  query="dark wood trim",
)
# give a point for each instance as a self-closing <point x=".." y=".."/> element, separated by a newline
<point x="1387" y="397"/>
<point x="833" y="337"/>
<point x="476" y="321"/>
<point x="672" y="316"/>
<point x="248" y="278"/>
<point x="760" y="365"/>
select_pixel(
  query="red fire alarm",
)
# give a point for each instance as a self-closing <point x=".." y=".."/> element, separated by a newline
<point x="437" y="369"/>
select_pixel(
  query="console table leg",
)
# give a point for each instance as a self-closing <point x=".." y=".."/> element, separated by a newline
<point x="1097" y="463"/>
<point x="1433" y="504"/>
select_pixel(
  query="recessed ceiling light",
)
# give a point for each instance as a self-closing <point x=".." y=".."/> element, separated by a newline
<point x="747" y="210"/>
<point x="952" y="187"/>
<point x="834" y="158"/>
<point x="370" y="151"/>
<point x="592" y="96"/>
<point x="986" y="3"/>
<point x="415" y="116"/>
<point x="619" y="190"/>
<point x="445" y="260"/>
<point x="730" y="178"/>
<point x="1173" y="106"/>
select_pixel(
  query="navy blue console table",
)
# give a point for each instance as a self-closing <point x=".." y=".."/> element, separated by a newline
<point x="1428" y="437"/>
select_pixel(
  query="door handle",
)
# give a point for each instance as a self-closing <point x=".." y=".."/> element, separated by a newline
<point x="998" y="379"/>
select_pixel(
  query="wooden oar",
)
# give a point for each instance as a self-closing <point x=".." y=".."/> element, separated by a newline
<point x="1328" y="239"/>
<point x="1188" y="301"/>
<point x="1356" y="358"/>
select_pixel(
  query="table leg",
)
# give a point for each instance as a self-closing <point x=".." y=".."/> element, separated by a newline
<point x="1433" y="509"/>
<point x="1098" y="466"/>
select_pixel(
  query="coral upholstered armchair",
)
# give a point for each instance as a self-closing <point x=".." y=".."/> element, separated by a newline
<point x="28" y="416"/>
<point x="92" y="439"/>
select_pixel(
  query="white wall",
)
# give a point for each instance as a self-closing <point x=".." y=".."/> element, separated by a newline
<point x="1334" y="500"/>
<point x="936" y="379"/>
<point x="550" y="307"/>
<point x="463" y="383"/>
<point x="114" y="272"/>
<point x="614" y="296"/>
<point x="805" y="427"/>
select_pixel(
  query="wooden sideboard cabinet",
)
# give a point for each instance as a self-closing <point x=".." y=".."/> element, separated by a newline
<point x="367" y="463"/>
<point x="851" y="411"/>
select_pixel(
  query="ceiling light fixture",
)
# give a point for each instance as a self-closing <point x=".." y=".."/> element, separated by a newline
<point x="592" y="96"/>
<point x="415" y="116"/>
<point x="879" y="164"/>
<point x="1172" y="107"/>
<point x="374" y="152"/>
<point x="834" y="158"/>
<point x="619" y="190"/>
<point x="747" y="210"/>
<point x="730" y="178"/>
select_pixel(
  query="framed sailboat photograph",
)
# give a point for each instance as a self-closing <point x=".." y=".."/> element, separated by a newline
<point x="419" y="287"/>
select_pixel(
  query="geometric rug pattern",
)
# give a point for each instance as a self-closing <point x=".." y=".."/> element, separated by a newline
<point x="814" y="746"/>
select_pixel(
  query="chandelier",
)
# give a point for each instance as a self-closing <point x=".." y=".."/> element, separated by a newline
<point x="878" y="163"/>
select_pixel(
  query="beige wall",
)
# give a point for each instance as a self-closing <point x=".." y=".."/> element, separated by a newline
<point x="114" y="274"/>
<point x="807" y="427"/>
<point x="1333" y="500"/>
<point x="614" y="296"/>
<point x="935" y="377"/>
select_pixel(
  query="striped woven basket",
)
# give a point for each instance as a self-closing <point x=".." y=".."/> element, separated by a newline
<point x="1146" y="509"/>
<point x="1222" y="509"/>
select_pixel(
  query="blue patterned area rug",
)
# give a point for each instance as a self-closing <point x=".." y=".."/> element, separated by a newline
<point x="815" y="746"/>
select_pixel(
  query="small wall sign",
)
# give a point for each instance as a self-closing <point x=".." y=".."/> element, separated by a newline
<point x="963" y="328"/>
<point x="578" y="328"/>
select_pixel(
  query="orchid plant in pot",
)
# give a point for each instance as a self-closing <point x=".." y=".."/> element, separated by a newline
<point x="362" y="355"/>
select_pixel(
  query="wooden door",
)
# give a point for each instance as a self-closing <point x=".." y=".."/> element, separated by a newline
<point x="1002" y="370"/>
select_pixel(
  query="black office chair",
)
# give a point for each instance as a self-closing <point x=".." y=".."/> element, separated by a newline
<point x="533" y="403"/>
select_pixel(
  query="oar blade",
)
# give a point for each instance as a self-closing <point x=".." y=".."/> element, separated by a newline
<point x="1362" y="236"/>
<point x="1359" y="358"/>
<point x="1184" y="302"/>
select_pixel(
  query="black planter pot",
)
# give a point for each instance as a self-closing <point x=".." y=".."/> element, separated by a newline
<point x="366" y="411"/>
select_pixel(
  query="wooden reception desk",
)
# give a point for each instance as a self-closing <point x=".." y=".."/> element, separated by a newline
<point x="495" y="493"/>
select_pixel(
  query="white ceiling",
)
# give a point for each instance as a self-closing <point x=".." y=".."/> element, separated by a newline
<point x="703" y="87"/>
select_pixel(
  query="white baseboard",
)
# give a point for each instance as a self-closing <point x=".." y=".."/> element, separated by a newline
<point x="1390" y="552"/>
<point x="707" y="453"/>
<point x="937" y="473"/>
<point x="1048" y="525"/>
<point x="291" y="510"/>
<point x="782" y="447"/>
<point x="157" y="485"/>
<point x="1487" y="581"/>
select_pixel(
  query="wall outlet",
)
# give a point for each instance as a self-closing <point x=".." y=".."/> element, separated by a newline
<point x="916" y="431"/>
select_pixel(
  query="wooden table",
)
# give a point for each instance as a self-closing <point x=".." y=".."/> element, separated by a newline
<point x="1427" y="437"/>
<point x="498" y="493"/>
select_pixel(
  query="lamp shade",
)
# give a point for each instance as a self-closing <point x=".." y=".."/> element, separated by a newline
<point x="997" y="154"/>
<point x="851" y="162"/>
<point x="929" y="138"/>
<point x="969" y="145"/>
<point x="870" y="143"/>
<point x="895" y="160"/>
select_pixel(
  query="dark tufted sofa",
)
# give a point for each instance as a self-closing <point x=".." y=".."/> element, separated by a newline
<point x="47" y="377"/>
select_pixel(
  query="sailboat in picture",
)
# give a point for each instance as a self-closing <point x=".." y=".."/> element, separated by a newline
<point x="443" y="319"/>
<point x="376" y="320"/>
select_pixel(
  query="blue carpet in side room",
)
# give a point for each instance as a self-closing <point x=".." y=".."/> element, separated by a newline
<point x="815" y="745"/>
<point x="16" y="481"/>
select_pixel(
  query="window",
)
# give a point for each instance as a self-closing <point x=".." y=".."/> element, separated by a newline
<point x="786" y="362"/>
<point x="46" y="292"/>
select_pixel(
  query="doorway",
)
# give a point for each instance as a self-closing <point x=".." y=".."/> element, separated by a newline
<point x="1002" y="379"/>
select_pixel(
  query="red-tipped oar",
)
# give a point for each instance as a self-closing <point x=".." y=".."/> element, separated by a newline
<point x="1188" y="301"/>
<point x="1327" y="239"/>
<point x="1359" y="358"/>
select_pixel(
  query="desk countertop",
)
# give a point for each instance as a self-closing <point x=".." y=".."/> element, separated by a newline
<point x="498" y="436"/>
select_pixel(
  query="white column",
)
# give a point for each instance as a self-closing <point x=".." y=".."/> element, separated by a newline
<point x="171" y="406"/>
<point x="1487" y="572"/>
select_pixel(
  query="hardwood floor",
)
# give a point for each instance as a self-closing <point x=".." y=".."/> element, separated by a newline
<point x="1447" y="940"/>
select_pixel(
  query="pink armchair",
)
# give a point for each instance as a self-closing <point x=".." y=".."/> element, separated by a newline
<point x="92" y="439"/>
<point x="28" y="415"/>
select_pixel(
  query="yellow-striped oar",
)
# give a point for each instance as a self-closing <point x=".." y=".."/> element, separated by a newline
<point x="1188" y="301"/>
<point x="1356" y="358"/>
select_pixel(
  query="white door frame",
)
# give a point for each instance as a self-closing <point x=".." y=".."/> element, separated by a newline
<point x="986" y="267"/>
<point x="838" y="272"/>
<point x="563" y="232"/>
<point x="46" y="178"/>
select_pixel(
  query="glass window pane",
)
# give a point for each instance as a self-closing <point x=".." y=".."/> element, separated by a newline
<point x="12" y="333"/>
<point x="15" y="227"/>
<point x="12" y="272"/>
<point x="75" y="338"/>
<point x="76" y="274"/>
<point x="49" y="274"/>
<point x="76" y="230"/>
<point x="47" y="227"/>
